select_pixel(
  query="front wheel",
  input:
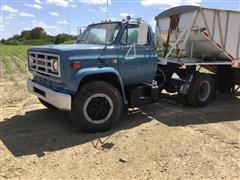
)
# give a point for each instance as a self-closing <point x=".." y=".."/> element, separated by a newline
<point x="96" y="106"/>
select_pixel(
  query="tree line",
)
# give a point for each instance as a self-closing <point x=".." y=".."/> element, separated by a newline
<point x="38" y="36"/>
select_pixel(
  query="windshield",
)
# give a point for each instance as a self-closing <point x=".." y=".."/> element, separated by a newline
<point x="100" y="34"/>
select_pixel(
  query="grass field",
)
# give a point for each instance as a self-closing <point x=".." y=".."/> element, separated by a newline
<point x="13" y="59"/>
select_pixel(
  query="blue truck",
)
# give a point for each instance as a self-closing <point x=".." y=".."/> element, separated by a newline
<point x="111" y="66"/>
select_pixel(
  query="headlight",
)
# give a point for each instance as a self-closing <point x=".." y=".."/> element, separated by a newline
<point x="30" y="61"/>
<point x="55" y="65"/>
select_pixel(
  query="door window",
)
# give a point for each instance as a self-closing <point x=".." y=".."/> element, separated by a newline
<point x="130" y="35"/>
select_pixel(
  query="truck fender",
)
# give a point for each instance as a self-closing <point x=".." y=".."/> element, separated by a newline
<point x="83" y="73"/>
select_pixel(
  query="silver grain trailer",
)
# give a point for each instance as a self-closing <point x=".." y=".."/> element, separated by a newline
<point x="193" y="38"/>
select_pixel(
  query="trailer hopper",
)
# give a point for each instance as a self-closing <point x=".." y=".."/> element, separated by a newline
<point x="200" y="35"/>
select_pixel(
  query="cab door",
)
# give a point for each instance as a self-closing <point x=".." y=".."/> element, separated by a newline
<point x="137" y="62"/>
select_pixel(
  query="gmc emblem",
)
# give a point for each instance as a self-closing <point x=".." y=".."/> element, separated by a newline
<point x="39" y="62"/>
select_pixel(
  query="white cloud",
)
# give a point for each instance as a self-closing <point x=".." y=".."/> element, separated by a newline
<point x="53" y="13"/>
<point x="95" y="2"/>
<point x="10" y="16"/>
<point x="125" y="14"/>
<point x="36" y="6"/>
<point x="38" y="1"/>
<point x="169" y="3"/>
<point x="42" y="24"/>
<point x="73" y="5"/>
<point x="91" y="10"/>
<point x="103" y="9"/>
<point x="50" y="27"/>
<point x="4" y="21"/>
<point x="26" y="14"/>
<point x="27" y="28"/>
<point x="62" y="22"/>
<point x="2" y="26"/>
<point x="8" y="9"/>
<point x="62" y="3"/>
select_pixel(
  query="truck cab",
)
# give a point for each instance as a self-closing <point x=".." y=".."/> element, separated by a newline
<point x="112" y="64"/>
<point x="122" y="51"/>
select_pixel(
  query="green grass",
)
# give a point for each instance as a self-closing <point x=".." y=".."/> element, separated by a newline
<point x="14" y="49"/>
<point x="22" y="66"/>
<point x="14" y="58"/>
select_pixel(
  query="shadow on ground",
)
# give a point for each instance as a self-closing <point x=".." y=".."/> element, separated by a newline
<point x="43" y="130"/>
<point x="169" y="111"/>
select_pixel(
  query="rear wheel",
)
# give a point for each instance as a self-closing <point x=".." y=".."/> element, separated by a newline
<point x="96" y="106"/>
<point x="47" y="105"/>
<point x="201" y="90"/>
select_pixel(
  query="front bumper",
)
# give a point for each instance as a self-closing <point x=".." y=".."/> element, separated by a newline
<point x="59" y="100"/>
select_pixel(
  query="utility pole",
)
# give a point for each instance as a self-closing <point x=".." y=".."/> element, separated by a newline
<point x="107" y="9"/>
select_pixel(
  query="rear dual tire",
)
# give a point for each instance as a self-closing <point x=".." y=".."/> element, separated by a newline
<point x="201" y="90"/>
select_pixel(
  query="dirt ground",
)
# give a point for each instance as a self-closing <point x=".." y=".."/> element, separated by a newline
<point x="165" y="140"/>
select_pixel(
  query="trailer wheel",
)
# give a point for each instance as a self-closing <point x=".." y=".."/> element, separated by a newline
<point x="47" y="105"/>
<point x="201" y="90"/>
<point x="96" y="107"/>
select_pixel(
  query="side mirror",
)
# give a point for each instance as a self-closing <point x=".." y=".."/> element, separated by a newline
<point x="142" y="34"/>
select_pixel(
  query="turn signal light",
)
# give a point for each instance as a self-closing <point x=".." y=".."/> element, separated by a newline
<point x="75" y="65"/>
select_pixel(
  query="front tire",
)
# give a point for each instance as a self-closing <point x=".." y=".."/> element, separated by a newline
<point x="96" y="107"/>
<point x="201" y="90"/>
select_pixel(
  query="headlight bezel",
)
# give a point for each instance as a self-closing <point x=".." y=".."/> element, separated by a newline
<point x="55" y="65"/>
<point x="30" y="61"/>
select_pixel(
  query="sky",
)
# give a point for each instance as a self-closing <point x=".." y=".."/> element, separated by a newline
<point x="65" y="16"/>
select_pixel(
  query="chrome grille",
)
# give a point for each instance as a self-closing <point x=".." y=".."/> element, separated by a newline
<point x="43" y="63"/>
<point x="45" y="82"/>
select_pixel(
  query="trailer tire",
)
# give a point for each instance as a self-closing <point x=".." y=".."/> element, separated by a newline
<point x="47" y="105"/>
<point x="96" y="107"/>
<point x="201" y="90"/>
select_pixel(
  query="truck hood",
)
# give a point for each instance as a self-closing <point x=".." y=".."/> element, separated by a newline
<point x="68" y="47"/>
